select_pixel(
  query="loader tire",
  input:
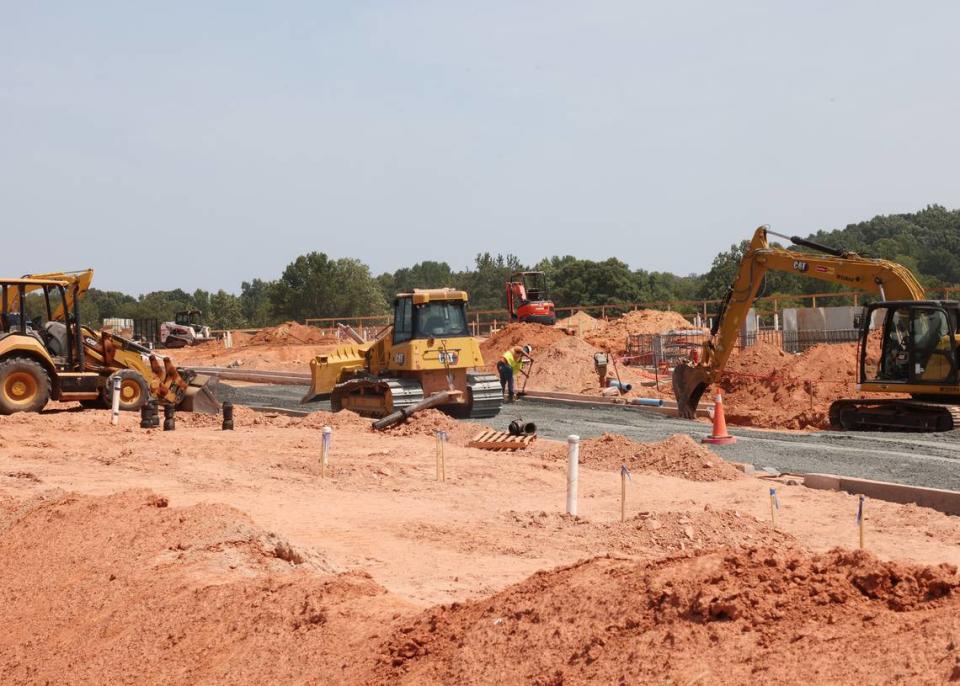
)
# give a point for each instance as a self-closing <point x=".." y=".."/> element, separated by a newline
<point x="24" y="385"/>
<point x="134" y="392"/>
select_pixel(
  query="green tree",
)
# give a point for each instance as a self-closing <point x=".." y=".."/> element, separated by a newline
<point x="313" y="285"/>
<point x="225" y="311"/>
<point x="486" y="283"/>
<point x="255" y="302"/>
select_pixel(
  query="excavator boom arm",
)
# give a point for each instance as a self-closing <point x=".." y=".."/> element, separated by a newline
<point x="889" y="280"/>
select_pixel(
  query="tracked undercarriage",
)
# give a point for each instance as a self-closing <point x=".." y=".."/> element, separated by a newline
<point x="373" y="396"/>
<point x="894" y="414"/>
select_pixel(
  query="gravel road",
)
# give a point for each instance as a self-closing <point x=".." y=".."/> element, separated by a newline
<point x="931" y="460"/>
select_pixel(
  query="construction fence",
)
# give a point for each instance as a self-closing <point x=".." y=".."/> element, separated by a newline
<point x="699" y="312"/>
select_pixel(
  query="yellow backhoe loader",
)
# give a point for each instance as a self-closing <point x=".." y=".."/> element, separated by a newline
<point x="41" y="360"/>
<point x="424" y="359"/>
<point x="915" y="352"/>
<point x="103" y="354"/>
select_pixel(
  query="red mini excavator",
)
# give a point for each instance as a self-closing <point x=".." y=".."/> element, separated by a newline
<point x="527" y="298"/>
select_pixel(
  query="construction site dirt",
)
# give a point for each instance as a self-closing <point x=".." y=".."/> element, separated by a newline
<point x="765" y="387"/>
<point x="930" y="460"/>
<point x="206" y="556"/>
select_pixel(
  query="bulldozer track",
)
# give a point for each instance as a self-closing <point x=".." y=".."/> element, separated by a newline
<point x="486" y="395"/>
<point x="403" y="393"/>
<point x="484" y="391"/>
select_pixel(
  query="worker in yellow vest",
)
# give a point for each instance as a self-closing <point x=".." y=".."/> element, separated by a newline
<point x="509" y="365"/>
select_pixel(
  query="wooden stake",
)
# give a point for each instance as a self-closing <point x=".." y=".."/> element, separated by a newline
<point x="441" y="458"/>
<point x="624" y="475"/>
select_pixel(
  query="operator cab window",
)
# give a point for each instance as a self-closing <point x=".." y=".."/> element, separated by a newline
<point x="444" y="318"/>
<point x="932" y="346"/>
<point x="403" y="320"/>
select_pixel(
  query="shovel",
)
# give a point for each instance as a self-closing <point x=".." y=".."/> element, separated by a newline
<point x="526" y="376"/>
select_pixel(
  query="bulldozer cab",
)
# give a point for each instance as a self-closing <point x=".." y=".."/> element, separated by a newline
<point x="911" y="343"/>
<point x="427" y="315"/>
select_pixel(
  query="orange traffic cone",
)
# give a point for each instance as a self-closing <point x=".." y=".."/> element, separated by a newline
<point x="719" y="435"/>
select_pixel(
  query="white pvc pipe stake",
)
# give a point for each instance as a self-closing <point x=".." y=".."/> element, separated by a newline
<point x="325" y="450"/>
<point x="573" y="473"/>
<point x="115" y="416"/>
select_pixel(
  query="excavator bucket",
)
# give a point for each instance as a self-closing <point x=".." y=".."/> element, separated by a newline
<point x="200" y="396"/>
<point x="689" y="384"/>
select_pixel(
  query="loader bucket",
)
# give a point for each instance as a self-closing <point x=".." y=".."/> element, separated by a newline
<point x="689" y="383"/>
<point x="200" y="396"/>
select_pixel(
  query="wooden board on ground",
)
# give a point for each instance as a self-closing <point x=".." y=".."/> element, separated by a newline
<point x="500" y="440"/>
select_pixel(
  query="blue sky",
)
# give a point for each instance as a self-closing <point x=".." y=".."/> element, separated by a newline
<point x="201" y="144"/>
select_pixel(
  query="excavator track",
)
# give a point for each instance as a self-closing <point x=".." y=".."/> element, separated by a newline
<point x="894" y="415"/>
<point x="486" y="395"/>
<point x="394" y="394"/>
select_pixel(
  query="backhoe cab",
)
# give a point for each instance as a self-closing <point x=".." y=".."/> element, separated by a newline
<point x="41" y="358"/>
<point x="527" y="298"/>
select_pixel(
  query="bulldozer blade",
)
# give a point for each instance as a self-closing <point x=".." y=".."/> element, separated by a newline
<point x="689" y="384"/>
<point x="200" y="396"/>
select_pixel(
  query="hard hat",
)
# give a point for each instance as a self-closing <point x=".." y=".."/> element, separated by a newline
<point x="527" y="349"/>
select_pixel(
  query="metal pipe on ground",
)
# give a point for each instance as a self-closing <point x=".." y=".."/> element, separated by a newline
<point x="401" y="414"/>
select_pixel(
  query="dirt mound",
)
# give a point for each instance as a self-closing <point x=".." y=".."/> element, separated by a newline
<point x="425" y="423"/>
<point x="536" y="335"/>
<point x="242" y="416"/>
<point x="124" y="589"/>
<point x="580" y="322"/>
<point x="678" y="455"/>
<point x="767" y="387"/>
<point x="289" y="333"/>
<point x="655" y="534"/>
<point x="335" y="420"/>
<point x="727" y="617"/>
<point x="612" y="337"/>
<point x="429" y="422"/>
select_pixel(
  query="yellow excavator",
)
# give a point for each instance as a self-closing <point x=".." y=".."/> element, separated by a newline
<point x="53" y="348"/>
<point x="915" y="352"/>
<point x="424" y="359"/>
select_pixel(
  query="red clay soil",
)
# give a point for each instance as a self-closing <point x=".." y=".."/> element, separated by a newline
<point x="767" y="387"/>
<point x="612" y="337"/>
<point x="290" y="333"/>
<point x="655" y="534"/>
<point x="580" y="323"/>
<point x="172" y="595"/>
<point x="679" y="455"/>
<point x="762" y="615"/>
<point x="563" y="362"/>
<point x="200" y="594"/>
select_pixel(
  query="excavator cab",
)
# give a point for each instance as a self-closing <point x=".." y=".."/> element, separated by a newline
<point x="916" y="345"/>
<point x="527" y="298"/>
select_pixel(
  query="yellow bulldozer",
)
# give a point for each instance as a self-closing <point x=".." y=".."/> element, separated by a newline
<point x="426" y="358"/>
<point x="52" y="356"/>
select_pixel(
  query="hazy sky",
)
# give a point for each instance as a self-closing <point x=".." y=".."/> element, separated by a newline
<point x="202" y="144"/>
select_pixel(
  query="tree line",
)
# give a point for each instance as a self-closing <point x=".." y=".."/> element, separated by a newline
<point x="316" y="285"/>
